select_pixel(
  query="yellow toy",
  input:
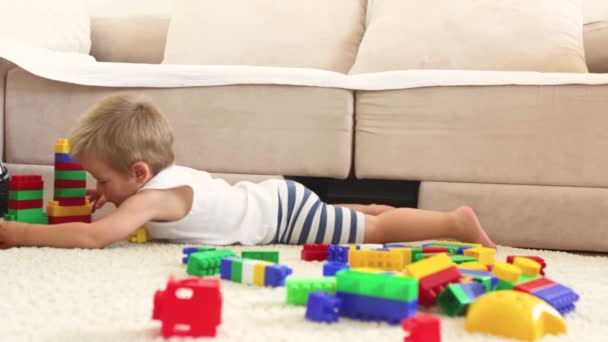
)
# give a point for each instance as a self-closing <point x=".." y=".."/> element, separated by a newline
<point x="484" y="255"/>
<point x="140" y="235"/>
<point x="473" y="265"/>
<point x="514" y="314"/>
<point x="527" y="266"/>
<point x="429" y="266"/>
<point x="506" y="272"/>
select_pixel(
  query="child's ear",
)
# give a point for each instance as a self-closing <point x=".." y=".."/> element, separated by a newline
<point x="141" y="171"/>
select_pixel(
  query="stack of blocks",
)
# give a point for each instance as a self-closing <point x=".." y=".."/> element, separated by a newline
<point x="25" y="199"/>
<point x="69" y="196"/>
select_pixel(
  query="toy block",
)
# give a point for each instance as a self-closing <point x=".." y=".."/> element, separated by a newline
<point x="62" y="166"/>
<point x="451" y="249"/>
<point x="70" y="184"/>
<point x="270" y="256"/>
<point x="225" y="266"/>
<point x="473" y="265"/>
<point x="509" y="285"/>
<point x="62" y="145"/>
<point x="24" y="204"/>
<point x="379" y="285"/>
<point x="187" y="251"/>
<point x="244" y="271"/>
<point x="527" y="266"/>
<point x="314" y="252"/>
<point x="375" y="309"/>
<point x="67" y="219"/>
<point x="338" y="253"/>
<point x="189" y="307"/>
<point x="322" y="307"/>
<point x="275" y="275"/>
<point x="396" y="245"/>
<point x="507" y="272"/>
<point x="455" y="299"/>
<point x="69" y="192"/>
<point x="70" y="175"/>
<point x="25" y="182"/>
<point x="431" y="286"/>
<point x="207" y="263"/>
<point x="331" y="268"/>
<point x="63" y="158"/>
<point x="248" y="270"/>
<point x="259" y="273"/>
<point x="35" y="216"/>
<point x="429" y="266"/>
<point x="25" y="195"/>
<point x="54" y="209"/>
<point x="298" y="289"/>
<point x="70" y="201"/>
<point x="236" y="271"/>
<point x="561" y="297"/>
<point x="538" y="259"/>
<point x="406" y="253"/>
<point x="483" y="254"/>
<point x="460" y="259"/>
<point x="422" y="328"/>
<point x="139" y="236"/>
<point x="388" y="260"/>
<point x="484" y="277"/>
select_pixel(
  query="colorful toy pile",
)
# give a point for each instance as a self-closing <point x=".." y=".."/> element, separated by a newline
<point x="390" y="283"/>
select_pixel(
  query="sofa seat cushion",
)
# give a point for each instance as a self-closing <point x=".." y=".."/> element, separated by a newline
<point x="256" y="129"/>
<point x="596" y="46"/>
<point x="539" y="135"/>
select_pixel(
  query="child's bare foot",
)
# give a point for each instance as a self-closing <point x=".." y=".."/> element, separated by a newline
<point x="470" y="229"/>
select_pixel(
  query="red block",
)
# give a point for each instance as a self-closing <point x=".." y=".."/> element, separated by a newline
<point x="534" y="285"/>
<point x="428" y="250"/>
<point x="70" y="184"/>
<point x="71" y="201"/>
<point x="422" y="328"/>
<point x="67" y="219"/>
<point x="189" y="307"/>
<point x="63" y="166"/>
<point x="538" y="259"/>
<point x="314" y="251"/>
<point x="24" y="204"/>
<point x="25" y="182"/>
<point x="431" y="286"/>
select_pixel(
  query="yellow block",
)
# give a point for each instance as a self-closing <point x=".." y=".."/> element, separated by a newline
<point x="139" y="236"/>
<point x="406" y="253"/>
<point x="54" y="209"/>
<point x="506" y="272"/>
<point x="259" y="272"/>
<point x="62" y="145"/>
<point x="527" y="266"/>
<point x="473" y="265"/>
<point x="514" y="314"/>
<point x="430" y="265"/>
<point x="483" y="254"/>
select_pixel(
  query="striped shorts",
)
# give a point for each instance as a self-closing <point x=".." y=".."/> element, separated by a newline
<point x="303" y="218"/>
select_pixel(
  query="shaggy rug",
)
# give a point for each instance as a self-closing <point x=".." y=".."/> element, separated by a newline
<point x="106" y="295"/>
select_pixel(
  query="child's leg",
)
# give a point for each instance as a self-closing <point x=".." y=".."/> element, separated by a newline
<point x="369" y="209"/>
<point x="407" y="224"/>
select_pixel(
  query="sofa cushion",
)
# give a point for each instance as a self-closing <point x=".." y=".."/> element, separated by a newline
<point x="57" y="25"/>
<point x="595" y="10"/>
<point x="596" y="46"/>
<point x="317" y="34"/>
<point x="515" y="35"/>
<point x="254" y="129"/>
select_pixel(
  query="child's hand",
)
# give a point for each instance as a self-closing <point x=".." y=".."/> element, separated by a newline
<point x="97" y="200"/>
<point x="8" y="235"/>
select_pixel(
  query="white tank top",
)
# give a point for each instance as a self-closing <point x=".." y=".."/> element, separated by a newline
<point x="221" y="214"/>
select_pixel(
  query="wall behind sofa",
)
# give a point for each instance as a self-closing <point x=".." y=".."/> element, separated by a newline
<point x="112" y="8"/>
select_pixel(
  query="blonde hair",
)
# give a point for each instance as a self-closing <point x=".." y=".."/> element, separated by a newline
<point x="122" y="129"/>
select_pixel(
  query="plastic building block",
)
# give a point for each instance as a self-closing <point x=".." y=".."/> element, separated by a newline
<point x="24" y="195"/>
<point x="248" y="271"/>
<point x="432" y="285"/>
<point x="69" y="192"/>
<point x="54" y="209"/>
<point x="331" y="268"/>
<point x="322" y="307"/>
<point x="225" y="266"/>
<point x="513" y="314"/>
<point x="507" y="272"/>
<point x="67" y="219"/>
<point x="486" y="278"/>
<point x="67" y="166"/>
<point x="207" y="263"/>
<point x="25" y="182"/>
<point x="338" y="253"/>
<point x="63" y="158"/>
<point x="389" y="260"/>
<point x="139" y="236"/>
<point x="422" y="328"/>
<point x="561" y="297"/>
<point x="187" y="251"/>
<point x="527" y="266"/>
<point x="538" y="259"/>
<point x="71" y="183"/>
<point x="375" y="309"/>
<point x="473" y="265"/>
<point x="259" y="273"/>
<point x="275" y="275"/>
<point x="483" y="254"/>
<point x="62" y="145"/>
<point x="398" y="288"/>
<point x="270" y="256"/>
<point x="429" y="266"/>
<point x="24" y="204"/>
<point x="509" y="285"/>
<point x="406" y="253"/>
<point x="460" y="259"/>
<point x="189" y="307"/>
<point x="298" y="289"/>
<point x="314" y="252"/>
<point x="70" y="201"/>
<point x="71" y="175"/>
<point x="35" y="215"/>
<point x="455" y="299"/>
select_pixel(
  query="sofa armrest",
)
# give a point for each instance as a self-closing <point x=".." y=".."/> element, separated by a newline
<point x="596" y="46"/>
<point x="129" y="40"/>
<point x="5" y="66"/>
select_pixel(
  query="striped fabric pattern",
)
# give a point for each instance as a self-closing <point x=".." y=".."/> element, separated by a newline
<point x="303" y="218"/>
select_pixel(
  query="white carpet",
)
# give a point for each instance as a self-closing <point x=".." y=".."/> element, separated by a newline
<point x="106" y="295"/>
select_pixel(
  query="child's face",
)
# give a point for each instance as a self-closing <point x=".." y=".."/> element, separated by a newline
<point x="116" y="187"/>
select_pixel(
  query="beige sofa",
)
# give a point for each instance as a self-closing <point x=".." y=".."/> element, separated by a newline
<point x="530" y="159"/>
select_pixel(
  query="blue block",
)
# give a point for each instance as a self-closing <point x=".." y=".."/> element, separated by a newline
<point x="473" y="290"/>
<point x="63" y="158"/>
<point x="493" y="280"/>
<point x="322" y="307"/>
<point x="331" y="268"/>
<point x="226" y="268"/>
<point x="561" y="297"/>
<point x="338" y="253"/>
<point x="376" y="309"/>
<point x="396" y="245"/>
<point x="274" y="275"/>
<point x="187" y="251"/>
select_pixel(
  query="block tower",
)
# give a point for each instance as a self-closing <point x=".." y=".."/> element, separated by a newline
<point x="25" y="199"/>
<point x="69" y="202"/>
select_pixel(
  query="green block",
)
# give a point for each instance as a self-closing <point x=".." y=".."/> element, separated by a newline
<point x="70" y="192"/>
<point x="237" y="271"/>
<point x="298" y="289"/>
<point x="24" y="195"/>
<point x="270" y="256"/>
<point x="207" y="263"/>
<point x="71" y="175"/>
<point x="35" y="215"/>
<point x="453" y="301"/>
<point x="377" y="285"/>
<point x="459" y="259"/>
<point x="509" y="285"/>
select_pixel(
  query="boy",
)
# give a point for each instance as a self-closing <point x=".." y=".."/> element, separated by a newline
<point x="125" y="143"/>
